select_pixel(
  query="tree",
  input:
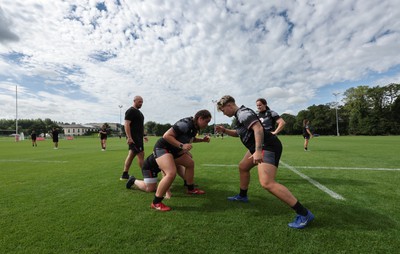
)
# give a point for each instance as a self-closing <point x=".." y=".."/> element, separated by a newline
<point x="370" y="110"/>
<point x="160" y="129"/>
<point x="150" y="127"/>
<point x="290" y="122"/>
<point x="356" y="104"/>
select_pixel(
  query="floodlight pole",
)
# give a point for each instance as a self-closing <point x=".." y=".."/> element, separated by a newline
<point x="120" y="127"/>
<point x="337" y="118"/>
<point x="214" y="106"/>
<point x="16" y="114"/>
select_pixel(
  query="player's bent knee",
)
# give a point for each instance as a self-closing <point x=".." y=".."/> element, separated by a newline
<point x="267" y="185"/>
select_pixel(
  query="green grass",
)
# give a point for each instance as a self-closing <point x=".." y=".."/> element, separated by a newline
<point x="71" y="200"/>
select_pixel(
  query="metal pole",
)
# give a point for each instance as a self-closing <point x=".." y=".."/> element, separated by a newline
<point x="120" y="127"/>
<point x="214" y="106"/>
<point x="16" y="113"/>
<point x="337" y="118"/>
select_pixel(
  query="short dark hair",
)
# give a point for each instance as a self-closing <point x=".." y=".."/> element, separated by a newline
<point x="204" y="113"/>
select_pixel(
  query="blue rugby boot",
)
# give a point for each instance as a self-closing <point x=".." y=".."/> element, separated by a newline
<point x="239" y="198"/>
<point x="301" y="221"/>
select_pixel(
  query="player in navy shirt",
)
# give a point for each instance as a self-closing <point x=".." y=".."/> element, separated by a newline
<point x="264" y="151"/>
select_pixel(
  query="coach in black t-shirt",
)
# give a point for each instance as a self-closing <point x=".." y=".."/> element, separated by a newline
<point x="134" y="129"/>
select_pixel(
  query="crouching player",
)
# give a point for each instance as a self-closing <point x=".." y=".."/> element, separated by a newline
<point x="150" y="172"/>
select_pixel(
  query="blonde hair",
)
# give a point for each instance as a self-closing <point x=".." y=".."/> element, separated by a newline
<point x="224" y="100"/>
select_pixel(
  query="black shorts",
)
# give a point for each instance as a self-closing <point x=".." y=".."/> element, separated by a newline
<point x="150" y="170"/>
<point x="271" y="157"/>
<point x="158" y="152"/>
<point x="272" y="151"/>
<point x="136" y="148"/>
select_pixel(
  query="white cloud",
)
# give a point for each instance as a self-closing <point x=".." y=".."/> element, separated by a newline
<point x="180" y="55"/>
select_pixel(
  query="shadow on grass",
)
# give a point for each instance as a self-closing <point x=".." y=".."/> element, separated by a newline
<point x="328" y="214"/>
<point x="349" y="217"/>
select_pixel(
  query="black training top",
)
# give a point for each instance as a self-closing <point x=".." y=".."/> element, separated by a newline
<point x="268" y="119"/>
<point x="245" y="120"/>
<point x="137" y="124"/>
<point x="185" y="131"/>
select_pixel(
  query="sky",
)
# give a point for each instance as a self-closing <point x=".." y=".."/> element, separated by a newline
<point x="80" y="60"/>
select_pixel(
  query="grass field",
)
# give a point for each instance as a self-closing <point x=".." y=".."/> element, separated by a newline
<point x="71" y="200"/>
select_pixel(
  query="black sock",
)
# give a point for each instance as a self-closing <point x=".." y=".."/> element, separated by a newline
<point x="300" y="209"/>
<point x="190" y="186"/>
<point x="157" y="200"/>
<point x="243" y="193"/>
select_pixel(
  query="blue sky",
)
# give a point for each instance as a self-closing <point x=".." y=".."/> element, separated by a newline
<point x="77" y="60"/>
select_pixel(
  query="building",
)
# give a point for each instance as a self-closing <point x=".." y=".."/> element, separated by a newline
<point x="76" y="129"/>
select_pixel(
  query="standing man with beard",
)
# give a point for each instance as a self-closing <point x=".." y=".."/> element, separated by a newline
<point x="134" y="129"/>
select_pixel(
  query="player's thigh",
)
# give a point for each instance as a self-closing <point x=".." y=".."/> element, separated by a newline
<point x="166" y="163"/>
<point x="266" y="172"/>
<point x="185" y="160"/>
<point x="246" y="163"/>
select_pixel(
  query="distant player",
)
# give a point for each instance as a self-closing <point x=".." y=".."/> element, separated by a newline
<point x="54" y="135"/>
<point x="307" y="134"/>
<point x="103" y="137"/>
<point x="33" y="137"/>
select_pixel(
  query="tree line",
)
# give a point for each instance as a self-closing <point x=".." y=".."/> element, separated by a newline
<point x="27" y="126"/>
<point x="364" y="111"/>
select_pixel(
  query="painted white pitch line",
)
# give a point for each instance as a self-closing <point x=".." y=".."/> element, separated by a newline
<point x="307" y="167"/>
<point x="312" y="181"/>
<point x="383" y="169"/>
<point x="34" y="161"/>
<point x="315" y="183"/>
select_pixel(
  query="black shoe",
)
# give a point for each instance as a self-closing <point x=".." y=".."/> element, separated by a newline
<point x="124" y="177"/>
<point x="130" y="182"/>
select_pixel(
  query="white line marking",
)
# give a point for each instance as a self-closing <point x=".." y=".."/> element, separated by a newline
<point x="34" y="161"/>
<point x="383" y="169"/>
<point x="314" y="167"/>
<point x="293" y="169"/>
<point x="313" y="182"/>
